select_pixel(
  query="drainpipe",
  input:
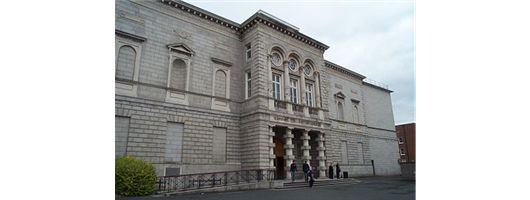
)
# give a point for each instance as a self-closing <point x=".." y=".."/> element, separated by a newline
<point x="373" y="167"/>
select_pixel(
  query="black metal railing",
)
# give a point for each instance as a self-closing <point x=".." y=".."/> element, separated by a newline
<point x="213" y="179"/>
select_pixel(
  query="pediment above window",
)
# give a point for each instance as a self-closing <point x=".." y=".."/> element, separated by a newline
<point x="340" y="95"/>
<point x="355" y="101"/>
<point x="180" y="48"/>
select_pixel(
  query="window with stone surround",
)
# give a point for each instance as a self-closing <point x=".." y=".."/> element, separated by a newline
<point x="276" y="86"/>
<point x="174" y="135"/>
<point x="400" y="140"/>
<point x="178" y="77"/>
<point x="127" y="63"/>
<point x="221" y="84"/>
<point x="360" y="152"/>
<point x="356" y="117"/>
<point x="309" y="94"/>
<point x="121" y="134"/>
<point x="248" y="86"/>
<point x="219" y="145"/>
<point x="340" y="111"/>
<point x="294" y="90"/>
<point x="248" y="51"/>
<point x="344" y="151"/>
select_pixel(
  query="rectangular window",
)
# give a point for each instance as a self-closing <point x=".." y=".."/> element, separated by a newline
<point x="249" y="52"/>
<point x="174" y="134"/>
<point x="344" y="152"/>
<point x="402" y="152"/>
<point x="276" y="86"/>
<point x="219" y="145"/>
<point x="121" y="134"/>
<point x="400" y="140"/>
<point x="294" y="90"/>
<point x="249" y="84"/>
<point x="309" y="94"/>
<point x="360" y="152"/>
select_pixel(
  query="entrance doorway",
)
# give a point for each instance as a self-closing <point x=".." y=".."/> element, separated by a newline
<point x="279" y="162"/>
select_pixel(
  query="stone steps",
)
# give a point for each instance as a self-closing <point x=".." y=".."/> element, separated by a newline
<point x="319" y="183"/>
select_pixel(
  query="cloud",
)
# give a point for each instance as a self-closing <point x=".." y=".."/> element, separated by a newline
<point x="375" y="39"/>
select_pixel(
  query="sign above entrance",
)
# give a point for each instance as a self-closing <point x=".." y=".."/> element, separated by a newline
<point x="295" y="121"/>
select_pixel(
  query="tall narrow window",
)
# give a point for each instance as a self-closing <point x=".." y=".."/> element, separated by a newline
<point x="126" y="63"/>
<point x="276" y="86"/>
<point x="174" y="134"/>
<point x="249" y="84"/>
<point x="249" y="52"/>
<point x="294" y="90"/>
<point x="402" y="152"/>
<point x="220" y="83"/>
<point x="340" y="111"/>
<point x="121" y="134"/>
<point x="178" y="75"/>
<point x="356" y="114"/>
<point x="360" y="152"/>
<point x="219" y="145"/>
<point x="344" y="152"/>
<point x="309" y="94"/>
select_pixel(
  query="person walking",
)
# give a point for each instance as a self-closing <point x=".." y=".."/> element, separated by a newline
<point x="311" y="177"/>
<point x="338" y="171"/>
<point x="293" y="170"/>
<point x="306" y="169"/>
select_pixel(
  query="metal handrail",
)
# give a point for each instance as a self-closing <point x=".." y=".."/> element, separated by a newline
<point x="212" y="179"/>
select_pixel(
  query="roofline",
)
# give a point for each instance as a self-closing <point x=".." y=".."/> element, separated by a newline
<point x="378" y="87"/>
<point x="343" y="70"/>
<point x="259" y="17"/>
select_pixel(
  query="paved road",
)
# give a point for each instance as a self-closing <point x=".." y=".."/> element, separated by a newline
<point x="378" y="188"/>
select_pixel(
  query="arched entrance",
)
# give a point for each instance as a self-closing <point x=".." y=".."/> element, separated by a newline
<point x="279" y="162"/>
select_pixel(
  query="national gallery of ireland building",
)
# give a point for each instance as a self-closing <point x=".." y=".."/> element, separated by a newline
<point x="196" y="93"/>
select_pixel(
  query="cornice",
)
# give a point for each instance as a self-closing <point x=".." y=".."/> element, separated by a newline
<point x="259" y="17"/>
<point x="343" y="70"/>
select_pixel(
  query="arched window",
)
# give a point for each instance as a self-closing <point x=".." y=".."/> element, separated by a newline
<point x="220" y="83"/>
<point x="126" y="63"/>
<point x="179" y="74"/>
<point x="340" y="111"/>
<point x="356" y="114"/>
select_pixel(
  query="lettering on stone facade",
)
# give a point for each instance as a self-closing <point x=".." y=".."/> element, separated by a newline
<point x="132" y="17"/>
<point x="181" y="34"/>
<point x="222" y="46"/>
<point x="296" y="121"/>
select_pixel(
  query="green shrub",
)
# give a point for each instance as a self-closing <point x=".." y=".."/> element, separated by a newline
<point x="134" y="177"/>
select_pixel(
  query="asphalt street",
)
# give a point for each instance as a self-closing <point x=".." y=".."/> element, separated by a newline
<point x="379" y="188"/>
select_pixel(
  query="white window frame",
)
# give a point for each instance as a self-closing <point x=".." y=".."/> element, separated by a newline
<point x="248" y="52"/>
<point x="294" y="90"/>
<point x="309" y="94"/>
<point x="402" y="152"/>
<point x="248" y="84"/>
<point x="400" y="140"/>
<point x="279" y="83"/>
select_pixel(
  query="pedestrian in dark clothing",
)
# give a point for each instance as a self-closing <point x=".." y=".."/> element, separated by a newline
<point x="293" y="170"/>
<point x="330" y="171"/>
<point x="311" y="177"/>
<point x="306" y="169"/>
<point x="338" y="171"/>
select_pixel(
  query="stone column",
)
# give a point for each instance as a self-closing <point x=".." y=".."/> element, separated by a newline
<point x="286" y="81"/>
<point x="271" y="148"/>
<point x="302" y="87"/>
<point x="289" y="157"/>
<point x="321" y="157"/>
<point x="317" y="90"/>
<point x="305" y="147"/>
<point x="269" y="91"/>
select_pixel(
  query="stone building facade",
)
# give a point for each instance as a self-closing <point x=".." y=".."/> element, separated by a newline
<point x="196" y="92"/>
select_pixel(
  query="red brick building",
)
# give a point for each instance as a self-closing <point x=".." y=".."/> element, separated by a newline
<point x="406" y="134"/>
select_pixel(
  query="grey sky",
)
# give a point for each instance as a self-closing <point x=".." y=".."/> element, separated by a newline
<point x="375" y="39"/>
